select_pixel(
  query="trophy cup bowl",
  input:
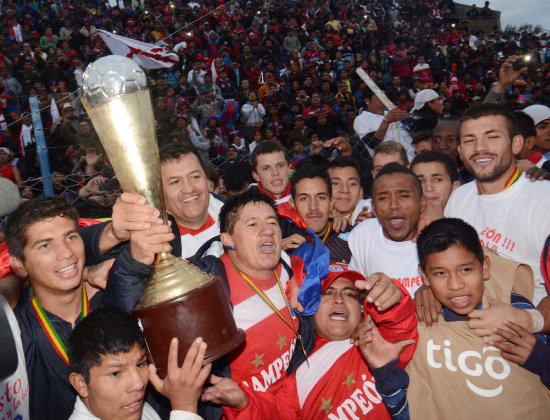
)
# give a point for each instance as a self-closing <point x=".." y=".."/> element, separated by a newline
<point x="179" y="299"/>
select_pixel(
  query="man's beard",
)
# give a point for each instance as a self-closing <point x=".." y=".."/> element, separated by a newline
<point x="502" y="165"/>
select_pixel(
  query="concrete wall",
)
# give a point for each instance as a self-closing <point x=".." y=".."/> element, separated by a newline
<point x="479" y="24"/>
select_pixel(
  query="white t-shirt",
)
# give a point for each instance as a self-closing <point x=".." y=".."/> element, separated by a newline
<point x="81" y="412"/>
<point x="367" y="122"/>
<point x="373" y="253"/>
<point x="190" y="243"/>
<point x="515" y="222"/>
<point x="14" y="390"/>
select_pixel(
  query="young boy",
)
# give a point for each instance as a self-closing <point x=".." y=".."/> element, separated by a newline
<point x="438" y="174"/>
<point x="109" y="371"/>
<point x="473" y="379"/>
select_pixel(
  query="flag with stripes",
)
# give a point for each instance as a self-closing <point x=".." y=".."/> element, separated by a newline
<point x="148" y="56"/>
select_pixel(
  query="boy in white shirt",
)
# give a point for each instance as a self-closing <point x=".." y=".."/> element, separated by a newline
<point x="109" y="371"/>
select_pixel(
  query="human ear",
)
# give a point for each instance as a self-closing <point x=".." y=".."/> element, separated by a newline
<point x="79" y="384"/>
<point x="18" y="267"/>
<point x="255" y="176"/>
<point x="517" y="144"/>
<point x="424" y="277"/>
<point x="227" y="240"/>
<point x="486" y="268"/>
<point x="455" y="185"/>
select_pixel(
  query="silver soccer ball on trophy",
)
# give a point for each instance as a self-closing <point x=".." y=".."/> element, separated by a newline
<point x="112" y="76"/>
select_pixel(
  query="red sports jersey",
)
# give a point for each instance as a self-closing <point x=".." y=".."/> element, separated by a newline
<point x="270" y="343"/>
<point x="336" y="381"/>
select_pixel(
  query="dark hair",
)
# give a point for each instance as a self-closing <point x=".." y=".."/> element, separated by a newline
<point x="309" y="172"/>
<point x="105" y="331"/>
<point x="441" y="234"/>
<point x="229" y="213"/>
<point x="491" y="110"/>
<point x="391" y="147"/>
<point x="265" y="148"/>
<point x="238" y="176"/>
<point x="344" y="162"/>
<point x="316" y="160"/>
<point x="525" y="124"/>
<point x="31" y="212"/>
<point x="397" y="168"/>
<point x="212" y="174"/>
<point x="366" y="93"/>
<point x="445" y="160"/>
<point x="174" y="151"/>
<point x="423" y="136"/>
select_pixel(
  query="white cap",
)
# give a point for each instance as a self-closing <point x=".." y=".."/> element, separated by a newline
<point x="423" y="97"/>
<point x="539" y="113"/>
<point x="10" y="197"/>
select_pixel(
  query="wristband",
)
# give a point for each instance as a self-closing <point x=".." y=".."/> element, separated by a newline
<point x="537" y="320"/>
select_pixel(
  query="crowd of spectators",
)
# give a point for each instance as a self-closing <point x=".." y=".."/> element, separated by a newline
<point x="247" y="72"/>
<point x="277" y="94"/>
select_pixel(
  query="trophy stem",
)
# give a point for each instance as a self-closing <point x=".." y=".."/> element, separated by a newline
<point x="179" y="300"/>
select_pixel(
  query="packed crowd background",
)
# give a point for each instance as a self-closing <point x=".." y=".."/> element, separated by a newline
<point x="386" y="260"/>
<point x="247" y="72"/>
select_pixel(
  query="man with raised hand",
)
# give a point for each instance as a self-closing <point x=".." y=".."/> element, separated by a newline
<point x="339" y="379"/>
<point x="47" y="250"/>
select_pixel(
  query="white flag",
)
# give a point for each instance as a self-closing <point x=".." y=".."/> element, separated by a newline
<point x="54" y="111"/>
<point x="149" y="56"/>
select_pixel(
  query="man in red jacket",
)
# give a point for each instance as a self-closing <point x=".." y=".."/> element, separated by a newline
<point x="338" y="379"/>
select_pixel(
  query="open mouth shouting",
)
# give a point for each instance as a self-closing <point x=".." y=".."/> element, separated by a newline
<point x="338" y="316"/>
<point x="267" y="247"/>
<point x="396" y="222"/>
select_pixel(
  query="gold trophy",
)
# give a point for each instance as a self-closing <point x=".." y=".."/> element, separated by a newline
<point x="179" y="300"/>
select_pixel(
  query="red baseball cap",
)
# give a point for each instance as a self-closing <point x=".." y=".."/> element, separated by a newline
<point x="337" y="270"/>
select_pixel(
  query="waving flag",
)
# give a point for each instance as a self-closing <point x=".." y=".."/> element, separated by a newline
<point x="148" y="56"/>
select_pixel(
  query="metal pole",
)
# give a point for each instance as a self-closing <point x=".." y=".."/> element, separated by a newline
<point x="41" y="148"/>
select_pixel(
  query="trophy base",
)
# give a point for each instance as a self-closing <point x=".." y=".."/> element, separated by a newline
<point x="203" y="312"/>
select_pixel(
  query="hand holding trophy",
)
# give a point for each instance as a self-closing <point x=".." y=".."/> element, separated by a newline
<point x="179" y="300"/>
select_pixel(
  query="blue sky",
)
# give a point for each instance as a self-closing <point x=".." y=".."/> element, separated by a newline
<point x="516" y="12"/>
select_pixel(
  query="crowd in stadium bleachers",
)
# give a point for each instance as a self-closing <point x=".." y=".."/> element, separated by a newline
<point x="368" y="181"/>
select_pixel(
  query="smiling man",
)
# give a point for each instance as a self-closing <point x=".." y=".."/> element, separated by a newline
<point x="47" y="250"/>
<point x="502" y="196"/>
<point x="509" y="213"/>
<point x="385" y="244"/>
<point x="192" y="209"/>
